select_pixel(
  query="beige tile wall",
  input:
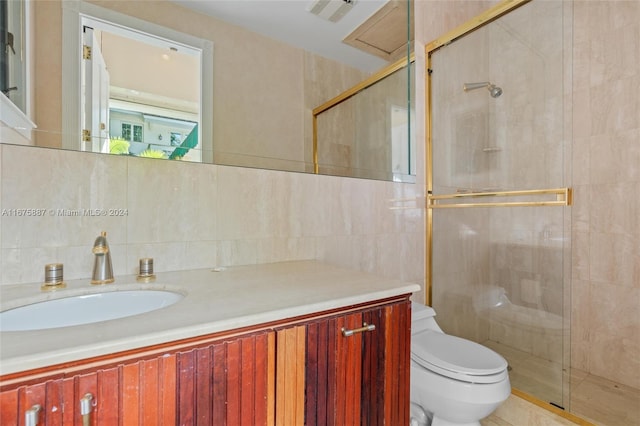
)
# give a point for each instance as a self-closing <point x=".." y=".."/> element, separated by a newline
<point x="187" y="215"/>
<point x="606" y="175"/>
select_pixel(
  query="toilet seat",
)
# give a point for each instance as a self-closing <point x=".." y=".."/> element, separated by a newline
<point x="457" y="358"/>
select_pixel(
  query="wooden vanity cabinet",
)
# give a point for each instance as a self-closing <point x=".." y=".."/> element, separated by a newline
<point x="302" y="371"/>
<point x="225" y="382"/>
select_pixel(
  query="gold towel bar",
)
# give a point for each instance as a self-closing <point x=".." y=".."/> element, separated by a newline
<point x="562" y="198"/>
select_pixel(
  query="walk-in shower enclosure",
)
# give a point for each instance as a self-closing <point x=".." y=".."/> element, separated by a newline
<point x="498" y="151"/>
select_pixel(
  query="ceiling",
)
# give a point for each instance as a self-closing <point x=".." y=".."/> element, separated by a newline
<point x="290" y="22"/>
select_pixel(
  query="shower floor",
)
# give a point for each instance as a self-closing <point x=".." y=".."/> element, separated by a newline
<point x="593" y="398"/>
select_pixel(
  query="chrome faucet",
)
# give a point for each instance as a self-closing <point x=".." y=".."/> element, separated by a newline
<point x="102" y="269"/>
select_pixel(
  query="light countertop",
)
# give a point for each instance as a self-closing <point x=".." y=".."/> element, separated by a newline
<point x="214" y="301"/>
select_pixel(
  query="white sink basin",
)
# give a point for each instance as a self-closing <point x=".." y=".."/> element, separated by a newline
<point x="85" y="309"/>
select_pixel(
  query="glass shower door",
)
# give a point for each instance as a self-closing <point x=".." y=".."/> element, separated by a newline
<point x="499" y="222"/>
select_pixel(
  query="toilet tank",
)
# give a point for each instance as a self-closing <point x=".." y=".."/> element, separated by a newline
<point x="422" y="318"/>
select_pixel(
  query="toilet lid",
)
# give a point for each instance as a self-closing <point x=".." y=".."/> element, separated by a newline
<point x="456" y="357"/>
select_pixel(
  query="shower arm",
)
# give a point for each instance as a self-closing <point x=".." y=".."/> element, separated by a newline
<point x="473" y="86"/>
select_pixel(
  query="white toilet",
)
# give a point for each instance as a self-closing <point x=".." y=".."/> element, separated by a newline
<point x="454" y="381"/>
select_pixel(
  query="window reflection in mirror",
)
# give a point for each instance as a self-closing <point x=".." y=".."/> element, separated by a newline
<point x="141" y="93"/>
<point x="129" y="84"/>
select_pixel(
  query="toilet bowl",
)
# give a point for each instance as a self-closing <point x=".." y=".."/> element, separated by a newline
<point x="454" y="380"/>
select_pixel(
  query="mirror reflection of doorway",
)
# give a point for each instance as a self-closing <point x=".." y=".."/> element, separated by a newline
<point x="140" y="93"/>
<point x="95" y="90"/>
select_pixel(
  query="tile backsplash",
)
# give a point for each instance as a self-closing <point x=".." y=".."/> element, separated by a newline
<point x="55" y="203"/>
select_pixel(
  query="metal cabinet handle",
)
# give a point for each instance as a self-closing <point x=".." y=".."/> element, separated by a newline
<point x="31" y="415"/>
<point x="365" y="327"/>
<point x="86" y="409"/>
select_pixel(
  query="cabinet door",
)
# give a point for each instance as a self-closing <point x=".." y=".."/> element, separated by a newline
<point x="228" y="383"/>
<point x="361" y="379"/>
<point x="386" y="366"/>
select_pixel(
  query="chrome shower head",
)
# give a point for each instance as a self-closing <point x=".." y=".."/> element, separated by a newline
<point x="494" y="90"/>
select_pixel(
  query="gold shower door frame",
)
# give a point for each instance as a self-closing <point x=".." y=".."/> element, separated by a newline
<point x="563" y="196"/>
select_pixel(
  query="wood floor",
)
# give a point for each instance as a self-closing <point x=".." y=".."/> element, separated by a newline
<point x="595" y="399"/>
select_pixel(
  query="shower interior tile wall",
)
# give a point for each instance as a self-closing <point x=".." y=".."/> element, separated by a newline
<point x="189" y="216"/>
<point x="606" y="157"/>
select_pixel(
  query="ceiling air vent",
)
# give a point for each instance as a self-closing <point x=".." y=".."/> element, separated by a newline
<point x="331" y="10"/>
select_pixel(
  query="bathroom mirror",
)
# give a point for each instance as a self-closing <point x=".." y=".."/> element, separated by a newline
<point x="257" y="92"/>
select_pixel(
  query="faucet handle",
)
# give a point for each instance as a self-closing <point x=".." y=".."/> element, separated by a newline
<point x="53" y="277"/>
<point x="146" y="270"/>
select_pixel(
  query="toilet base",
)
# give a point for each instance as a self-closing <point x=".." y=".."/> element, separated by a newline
<point x="418" y="416"/>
